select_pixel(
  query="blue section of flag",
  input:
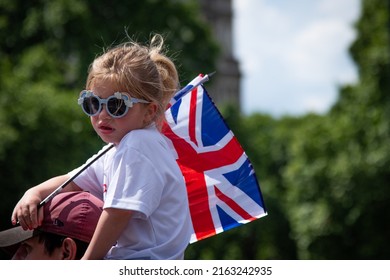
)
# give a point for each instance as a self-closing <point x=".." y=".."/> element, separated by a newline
<point x="227" y="222"/>
<point x="213" y="125"/>
<point x="175" y="110"/>
<point x="245" y="179"/>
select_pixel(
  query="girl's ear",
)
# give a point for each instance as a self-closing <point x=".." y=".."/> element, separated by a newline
<point x="150" y="114"/>
<point x="68" y="249"/>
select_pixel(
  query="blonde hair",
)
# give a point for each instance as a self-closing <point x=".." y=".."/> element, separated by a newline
<point x="142" y="71"/>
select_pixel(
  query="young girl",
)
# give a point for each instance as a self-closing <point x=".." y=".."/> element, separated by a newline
<point x="145" y="212"/>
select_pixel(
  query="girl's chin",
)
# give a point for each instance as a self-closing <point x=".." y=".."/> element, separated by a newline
<point x="107" y="139"/>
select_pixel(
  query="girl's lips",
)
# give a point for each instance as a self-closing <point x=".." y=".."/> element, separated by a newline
<point x="105" y="129"/>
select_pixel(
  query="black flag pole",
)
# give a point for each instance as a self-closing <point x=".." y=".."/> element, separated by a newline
<point x="63" y="185"/>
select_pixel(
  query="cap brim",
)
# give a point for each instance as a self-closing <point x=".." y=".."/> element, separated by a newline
<point x="14" y="236"/>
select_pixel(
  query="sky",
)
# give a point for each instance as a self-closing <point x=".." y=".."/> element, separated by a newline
<point x="293" y="54"/>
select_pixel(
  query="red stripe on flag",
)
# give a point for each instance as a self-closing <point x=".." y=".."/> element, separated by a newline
<point x="228" y="154"/>
<point x="196" y="187"/>
<point x="198" y="203"/>
<point x="232" y="204"/>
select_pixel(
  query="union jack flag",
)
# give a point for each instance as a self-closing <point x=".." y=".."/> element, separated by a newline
<point x="223" y="191"/>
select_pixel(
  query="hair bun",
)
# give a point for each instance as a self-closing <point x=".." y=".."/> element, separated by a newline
<point x="166" y="68"/>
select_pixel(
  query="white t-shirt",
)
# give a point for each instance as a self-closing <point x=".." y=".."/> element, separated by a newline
<point x="141" y="174"/>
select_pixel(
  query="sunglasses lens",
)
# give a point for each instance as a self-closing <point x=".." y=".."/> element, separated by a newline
<point x="116" y="107"/>
<point x="91" y="105"/>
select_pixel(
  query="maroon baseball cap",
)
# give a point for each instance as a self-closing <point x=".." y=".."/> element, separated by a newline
<point x="70" y="214"/>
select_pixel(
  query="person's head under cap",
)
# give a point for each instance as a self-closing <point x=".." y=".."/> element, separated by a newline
<point x="69" y="221"/>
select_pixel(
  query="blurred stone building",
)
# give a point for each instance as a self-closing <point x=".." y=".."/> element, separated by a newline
<point x="225" y="85"/>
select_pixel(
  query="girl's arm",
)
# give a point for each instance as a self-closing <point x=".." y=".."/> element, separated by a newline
<point x="26" y="210"/>
<point x="111" y="224"/>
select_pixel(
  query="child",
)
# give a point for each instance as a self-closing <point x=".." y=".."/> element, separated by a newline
<point x="145" y="212"/>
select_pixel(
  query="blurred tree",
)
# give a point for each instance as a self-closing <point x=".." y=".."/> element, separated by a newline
<point x="76" y="31"/>
<point x="338" y="173"/>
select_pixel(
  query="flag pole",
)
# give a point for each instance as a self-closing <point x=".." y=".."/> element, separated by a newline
<point x="191" y="86"/>
<point x="63" y="185"/>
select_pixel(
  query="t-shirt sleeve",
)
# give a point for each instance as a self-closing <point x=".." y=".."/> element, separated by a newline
<point x="91" y="179"/>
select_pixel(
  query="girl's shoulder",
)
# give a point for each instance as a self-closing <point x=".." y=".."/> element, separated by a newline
<point x="139" y="138"/>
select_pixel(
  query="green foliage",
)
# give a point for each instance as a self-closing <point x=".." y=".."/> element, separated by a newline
<point x="76" y="31"/>
<point x="337" y="175"/>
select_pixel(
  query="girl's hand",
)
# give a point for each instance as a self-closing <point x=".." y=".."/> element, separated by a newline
<point x="26" y="211"/>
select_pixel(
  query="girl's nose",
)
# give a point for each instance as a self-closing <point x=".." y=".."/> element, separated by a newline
<point x="103" y="112"/>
